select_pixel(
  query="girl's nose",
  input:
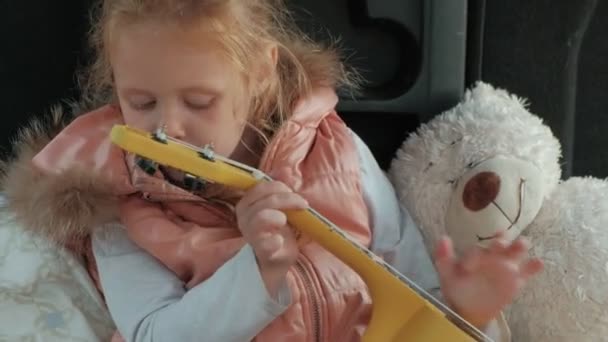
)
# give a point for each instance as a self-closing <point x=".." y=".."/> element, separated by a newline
<point x="174" y="124"/>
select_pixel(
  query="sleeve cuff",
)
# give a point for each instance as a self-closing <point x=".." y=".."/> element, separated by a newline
<point x="498" y="330"/>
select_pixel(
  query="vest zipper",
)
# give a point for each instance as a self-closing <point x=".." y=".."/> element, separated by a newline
<point x="314" y="300"/>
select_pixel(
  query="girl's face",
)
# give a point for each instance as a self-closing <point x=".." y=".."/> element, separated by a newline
<point x="180" y="79"/>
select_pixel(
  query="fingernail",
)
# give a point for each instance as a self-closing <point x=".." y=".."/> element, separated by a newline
<point x="502" y="243"/>
<point x="272" y="242"/>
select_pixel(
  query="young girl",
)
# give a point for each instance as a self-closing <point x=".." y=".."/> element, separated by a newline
<point x="208" y="263"/>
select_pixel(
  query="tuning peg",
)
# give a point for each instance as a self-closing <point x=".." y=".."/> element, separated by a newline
<point x="146" y="165"/>
<point x="207" y="152"/>
<point x="193" y="183"/>
<point x="160" y="134"/>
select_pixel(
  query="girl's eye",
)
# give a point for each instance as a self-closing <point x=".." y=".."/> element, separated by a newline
<point x="197" y="104"/>
<point x="143" y="105"/>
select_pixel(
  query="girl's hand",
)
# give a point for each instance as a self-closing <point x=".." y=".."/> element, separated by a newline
<point x="264" y="226"/>
<point x="484" y="281"/>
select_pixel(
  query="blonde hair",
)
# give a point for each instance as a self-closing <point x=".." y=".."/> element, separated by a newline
<point x="246" y="25"/>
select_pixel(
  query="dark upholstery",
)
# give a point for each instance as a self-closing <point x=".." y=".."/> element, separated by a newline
<point x="411" y="51"/>
<point x="555" y="53"/>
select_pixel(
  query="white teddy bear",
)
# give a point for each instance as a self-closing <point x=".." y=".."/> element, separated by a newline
<point x="487" y="166"/>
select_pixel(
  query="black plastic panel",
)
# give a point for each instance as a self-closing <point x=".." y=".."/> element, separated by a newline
<point x="411" y="52"/>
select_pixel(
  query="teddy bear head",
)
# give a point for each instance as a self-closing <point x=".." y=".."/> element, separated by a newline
<point x="480" y="169"/>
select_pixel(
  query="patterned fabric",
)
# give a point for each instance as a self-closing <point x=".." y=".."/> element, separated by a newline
<point x="46" y="294"/>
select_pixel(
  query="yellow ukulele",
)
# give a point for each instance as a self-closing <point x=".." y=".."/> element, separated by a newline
<point x="402" y="311"/>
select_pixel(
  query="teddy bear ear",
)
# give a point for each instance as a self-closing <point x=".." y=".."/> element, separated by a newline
<point x="485" y="92"/>
<point x="484" y="100"/>
<point x="477" y="91"/>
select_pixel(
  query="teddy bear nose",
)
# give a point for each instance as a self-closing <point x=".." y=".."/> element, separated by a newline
<point x="481" y="190"/>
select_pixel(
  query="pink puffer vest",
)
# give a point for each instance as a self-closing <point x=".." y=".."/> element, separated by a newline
<point x="313" y="153"/>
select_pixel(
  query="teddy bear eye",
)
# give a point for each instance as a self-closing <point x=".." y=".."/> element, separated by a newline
<point x="456" y="141"/>
<point x="472" y="164"/>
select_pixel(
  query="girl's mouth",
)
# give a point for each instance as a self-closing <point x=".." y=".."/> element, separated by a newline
<point x="172" y="174"/>
<point x="182" y="179"/>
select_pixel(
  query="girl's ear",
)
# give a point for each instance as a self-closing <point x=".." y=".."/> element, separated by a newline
<point x="267" y="68"/>
<point x="274" y="55"/>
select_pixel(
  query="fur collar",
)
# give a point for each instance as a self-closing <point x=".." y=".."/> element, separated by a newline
<point x="62" y="207"/>
<point x="68" y="205"/>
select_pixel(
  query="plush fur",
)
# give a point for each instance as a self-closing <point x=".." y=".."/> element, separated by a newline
<point x="62" y="208"/>
<point x="568" y="301"/>
<point x="489" y="131"/>
<point x="489" y="165"/>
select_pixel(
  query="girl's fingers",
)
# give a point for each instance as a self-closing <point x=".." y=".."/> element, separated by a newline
<point x="279" y="201"/>
<point x="518" y="250"/>
<point x="499" y="244"/>
<point x="531" y="267"/>
<point x="444" y="258"/>
<point x="269" y="243"/>
<point x="266" y="220"/>
<point x="472" y="259"/>
<point x="262" y="189"/>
